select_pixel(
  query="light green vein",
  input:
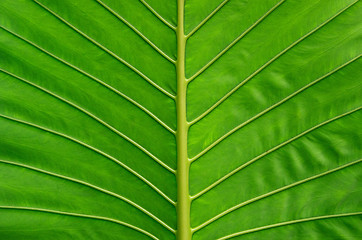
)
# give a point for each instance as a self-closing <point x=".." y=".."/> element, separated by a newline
<point x="95" y="150"/>
<point x="221" y="100"/>
<point x="183" y="204"/>
<point x="273" y="192"/>
<point x="82" y="216"/>
<point x="106" y="50"/>
<point x="102" y="190"/>
<point x="208" y="148"/>
<point x="270" y="151"/>
<point x="206" y="19"/>
<point x="136" y="31"/>
<point x="290" y="223"/>
<point x="158" y="15"/>
<point x="95" y="79"/>
<point x="95" y="118"/>
<point x="234" y="42"/>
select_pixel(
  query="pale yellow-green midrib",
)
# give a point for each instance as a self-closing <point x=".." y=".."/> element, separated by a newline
<point x="182" y="174"/>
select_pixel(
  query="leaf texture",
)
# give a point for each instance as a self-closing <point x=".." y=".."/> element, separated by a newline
<point x="90" y="105"/>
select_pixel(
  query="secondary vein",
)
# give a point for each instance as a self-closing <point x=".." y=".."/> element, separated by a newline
<point x="134" y="102"/>
<point x="126" y="167"/>
<point x="162" y="19"/>
<point x="82" y="216"/>
<point x="207" y="18"/>
<point x="274" y="192"/>
<point x="137" y="31"/>
<point x="289" y="223"/>
<point x="133" y="142"/>
<point x="226" y="96"/>
<point x="234" y="42"/>
<point x="107" y="50"/>
<point x="270" y="151"/>
<point x="274" y="106"/>
<point x="97" y="188"/>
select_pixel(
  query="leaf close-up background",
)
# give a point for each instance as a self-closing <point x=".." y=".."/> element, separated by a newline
<point x="180" y="119"/>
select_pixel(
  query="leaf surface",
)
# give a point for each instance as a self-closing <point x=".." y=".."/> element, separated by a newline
<point x="101" y="101"/>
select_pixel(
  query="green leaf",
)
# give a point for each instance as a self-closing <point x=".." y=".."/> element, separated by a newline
<point x="182" y="119"/>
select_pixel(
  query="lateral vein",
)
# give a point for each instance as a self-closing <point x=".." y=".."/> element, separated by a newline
<point x="158" y="15"/>
<point x="126" y="167"/>
<point x="82" y="216"/>
<point x="107" y="50"/>
<point x="207" y="18"/>
<point x="95" y="118"/>
<point x="289" y="223"/>
<point x="221" y="100"/>
<point x="274" y="106"/>
<point x="234" y="42"/>
<point x="137" y="31"/>
<point x="274" y="192"/>
<point x="95" y="79"/>
<point x="97" y="188"/>
<point x="270" y="151"/>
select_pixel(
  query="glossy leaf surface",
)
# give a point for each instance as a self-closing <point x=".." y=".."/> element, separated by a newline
<point x="90" y="105"/>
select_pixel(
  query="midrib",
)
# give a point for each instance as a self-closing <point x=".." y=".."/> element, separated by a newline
<point x="183" y="164"/>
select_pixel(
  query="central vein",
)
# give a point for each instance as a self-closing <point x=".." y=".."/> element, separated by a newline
<point x="183" y="165"/>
